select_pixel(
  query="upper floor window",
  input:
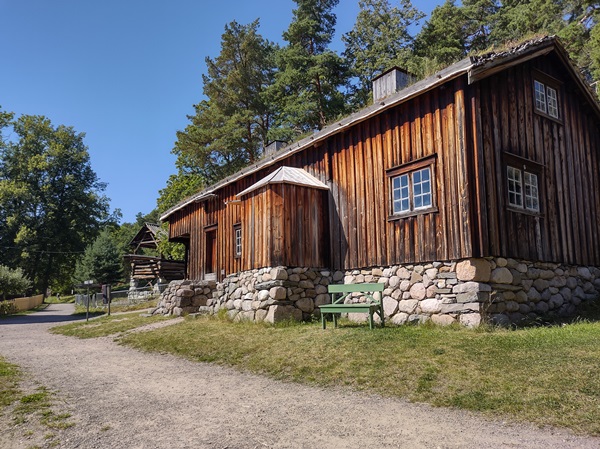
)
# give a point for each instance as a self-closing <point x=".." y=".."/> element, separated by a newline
<point x="546" y="99"/>
<point x="411" y="187"/>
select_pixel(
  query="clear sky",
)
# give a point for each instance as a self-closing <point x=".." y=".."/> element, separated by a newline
<point x="127" y="73"/>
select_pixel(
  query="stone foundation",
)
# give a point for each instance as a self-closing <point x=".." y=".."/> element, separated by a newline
<point x="469" y="292"/>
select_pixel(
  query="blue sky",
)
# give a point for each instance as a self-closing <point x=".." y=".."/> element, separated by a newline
<point x="126" y="73"/>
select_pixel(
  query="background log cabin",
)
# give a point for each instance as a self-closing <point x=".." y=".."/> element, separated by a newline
<point x="499" y="173"/>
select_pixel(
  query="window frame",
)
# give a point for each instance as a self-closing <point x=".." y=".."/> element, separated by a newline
<point x="408" y="171"/>
<point x="550" y="102"/>
<point x="525" y="167"/>
<point x="237" y="240"/>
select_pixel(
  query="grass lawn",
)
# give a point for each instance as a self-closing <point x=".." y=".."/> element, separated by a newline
<point x="545" y="375"/>
<point x="106" y="325"/>
<point x="9" y="378"/>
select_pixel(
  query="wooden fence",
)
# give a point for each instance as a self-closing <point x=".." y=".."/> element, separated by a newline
<point x="28" y="303"/>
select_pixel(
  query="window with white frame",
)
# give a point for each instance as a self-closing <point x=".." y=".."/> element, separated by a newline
<point x="411" y="187"/>
<point x="523" y="190"/>
<point x="546" y="99"/>
<point x="237" y="240"/>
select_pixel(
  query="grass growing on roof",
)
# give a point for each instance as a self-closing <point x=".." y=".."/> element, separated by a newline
<point x="546" y="375"/>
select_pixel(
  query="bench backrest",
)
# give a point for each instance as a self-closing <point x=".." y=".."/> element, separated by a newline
<point x="350" y="288"/>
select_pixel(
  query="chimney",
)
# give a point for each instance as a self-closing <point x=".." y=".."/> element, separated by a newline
<point x="389" y="82"/>
<point x="274" y="147"/>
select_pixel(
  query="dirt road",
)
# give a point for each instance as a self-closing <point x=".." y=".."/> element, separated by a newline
<point x="122" y="398"/>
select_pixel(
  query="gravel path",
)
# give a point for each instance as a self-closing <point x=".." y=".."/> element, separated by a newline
<point x="122" y="398"/>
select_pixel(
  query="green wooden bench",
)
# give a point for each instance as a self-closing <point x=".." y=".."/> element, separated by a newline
<point x="343" y="290"/>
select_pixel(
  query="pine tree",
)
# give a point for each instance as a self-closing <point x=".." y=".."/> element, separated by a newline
<point x="442" y="38"/>
<point x="307" y="87"/>
<point x="379" y="41"/>
<point x="231" y="126"/>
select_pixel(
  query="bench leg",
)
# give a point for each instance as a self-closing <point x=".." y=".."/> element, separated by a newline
<point x="334" y="319"/>
<point x="323" y="320"/>
<point x="371" y="320"/>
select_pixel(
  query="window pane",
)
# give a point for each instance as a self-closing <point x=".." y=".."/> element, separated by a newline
<point x="515" y="196"/>
<point x="552" y="102"/>
<point x="422" y="188"/>
<point x="540" y="96"/>
<point x="400" y="194"/>
<point x="531" y="192"/>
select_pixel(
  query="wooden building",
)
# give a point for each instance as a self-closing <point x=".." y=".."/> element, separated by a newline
<point x="152" y="267"/>
<point x="494" y="156"/>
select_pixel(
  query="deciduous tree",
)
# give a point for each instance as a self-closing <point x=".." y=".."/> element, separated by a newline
<point x="51" y="201"/>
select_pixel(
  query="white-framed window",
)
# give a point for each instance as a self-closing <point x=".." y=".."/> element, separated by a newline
<point x="546" y="99"/>
<point x="532" y="198"/>
<point x="523" y="189"/>
<point x="411" y="190"/>
<point x="237" y="240"/>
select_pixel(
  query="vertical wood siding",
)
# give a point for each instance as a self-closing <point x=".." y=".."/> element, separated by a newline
<point x="467" y="130"/>
<point x="348" y="227"/>
<point x="568" y="226"/>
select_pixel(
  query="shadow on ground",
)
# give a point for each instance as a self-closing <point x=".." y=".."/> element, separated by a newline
<point x="52" y="314"/>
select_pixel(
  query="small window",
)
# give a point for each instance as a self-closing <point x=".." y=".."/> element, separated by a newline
<point x="237" y="240"/>
<point x="523" y="191"/>
<point x="546" y="99"/>
<point x="411" y="187"/>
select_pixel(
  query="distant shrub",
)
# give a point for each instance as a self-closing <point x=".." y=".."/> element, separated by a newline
<point x="12" y="282"/>
<point x="7" y="307"/>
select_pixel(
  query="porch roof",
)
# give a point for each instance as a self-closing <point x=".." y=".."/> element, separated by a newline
<point x="287" y="175"/>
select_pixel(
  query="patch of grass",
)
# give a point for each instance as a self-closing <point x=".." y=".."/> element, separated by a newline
<point x="62" y="300"/>
<point x="545" y="375"/>
<point x="106" y="325"/>
<point x="115" y="308"/>
<point x="9" y="378"/>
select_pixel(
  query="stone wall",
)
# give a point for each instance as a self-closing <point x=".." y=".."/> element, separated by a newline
<point x="470" y="291"/>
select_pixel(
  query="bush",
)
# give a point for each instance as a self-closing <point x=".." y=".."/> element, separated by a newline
<point x="7" y="307"/>
<point x="13" y="282"/>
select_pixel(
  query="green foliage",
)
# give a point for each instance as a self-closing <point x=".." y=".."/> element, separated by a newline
<point x="307" y="85"/>
<point x="179" y="186"/>
<point x="230" y="127"/>
<point x="13" y="282"/>
<point x="7" y="308"/>
<point x="101" y="262"/>
<point x="379" y="41"/>
<point x="51" y="202"/>
<point x="442" y="38"/>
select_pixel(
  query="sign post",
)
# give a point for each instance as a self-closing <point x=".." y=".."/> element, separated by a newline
<point x="87" y="305"/>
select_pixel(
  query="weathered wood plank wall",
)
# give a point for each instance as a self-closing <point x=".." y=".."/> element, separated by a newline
<point x="353" y="163"/>
<point x="568" y="151"/>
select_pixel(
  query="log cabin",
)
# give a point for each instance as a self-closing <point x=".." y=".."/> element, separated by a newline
<point x="473" y="194"/>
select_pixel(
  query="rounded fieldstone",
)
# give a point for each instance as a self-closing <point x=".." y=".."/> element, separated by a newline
<point x="501" y="262"/>
<point x="470" y="320"/>
<point x="279" y="273"/>
<point x="501" y="275"/>
<point x="400" y="318"/>
<point x="542" y="307"/>
<point x="390" y="306"/>
<point x="306" y="305"/>
<point x="418" y="291"/>
<point x="430" y="305"/>
<point x="442" y="320"/>
<point x="407" y="305"/>
<point x="403" y="273"/>
<point x="278" y="293"/>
